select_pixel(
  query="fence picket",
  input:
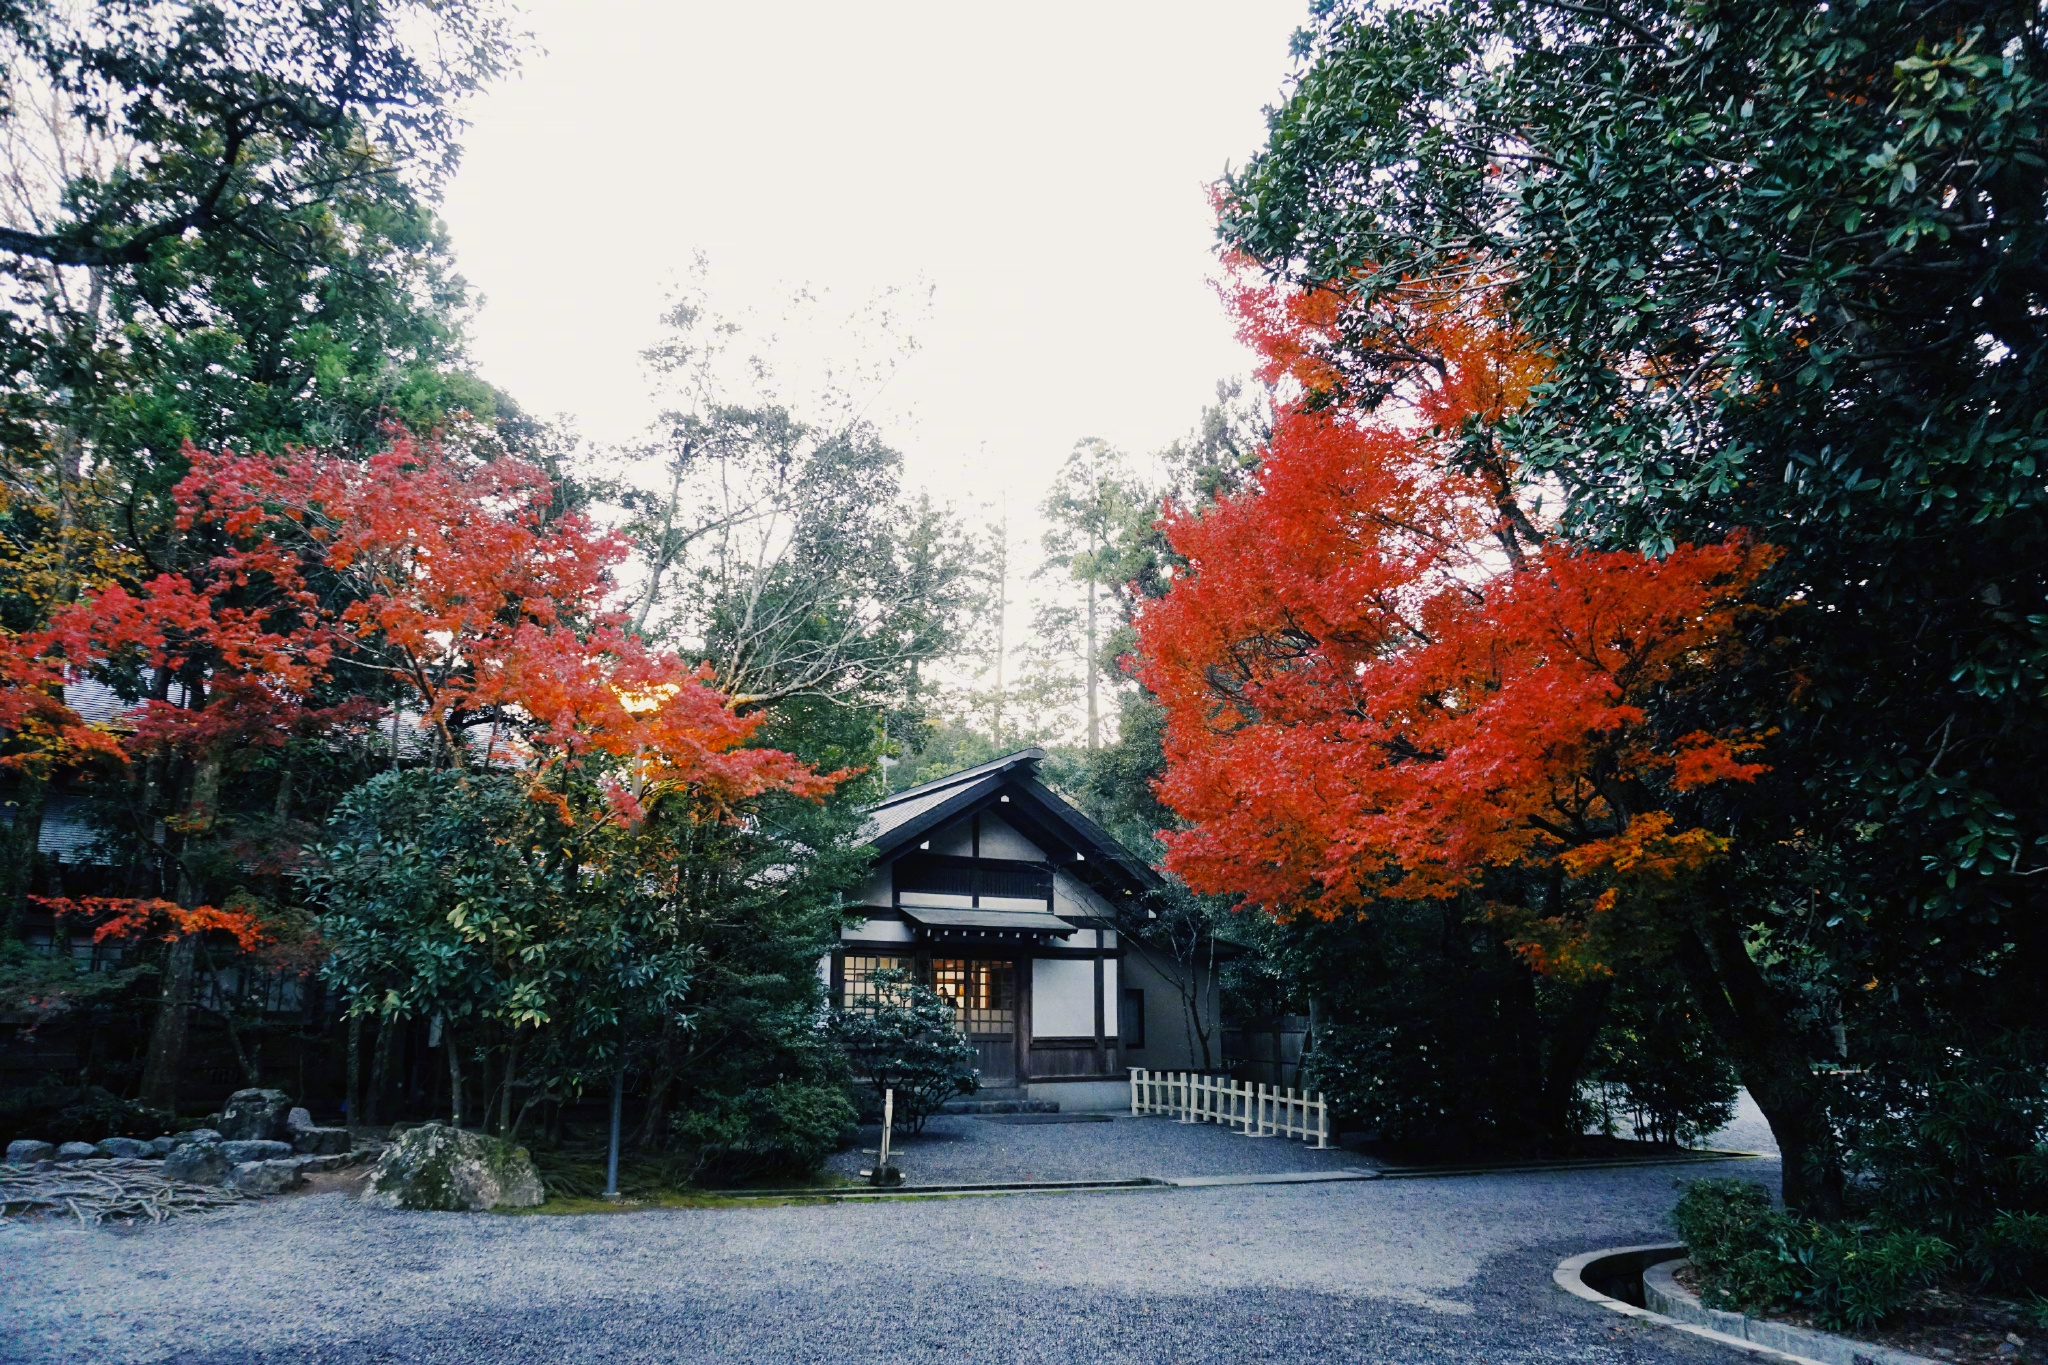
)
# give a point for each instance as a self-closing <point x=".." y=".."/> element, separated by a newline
<point x="1254" y="1109"/>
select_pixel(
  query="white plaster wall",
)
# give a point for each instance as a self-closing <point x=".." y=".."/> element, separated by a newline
<point x="1062" y="998"/>
<point x="1070" y="897"/>
<point x="998" y="840"/>
<point x="941" y="900"/>
<point x="877" y="931"/>
<point x="955" y="840"/>
<point x="1169" y="1042"/>
<point x="1012" y="903"/>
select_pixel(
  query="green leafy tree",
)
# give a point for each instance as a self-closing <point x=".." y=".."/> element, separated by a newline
<point x="443" y="897"/>
<point x="1785" y="264"/>
<point x="216" y="225"/>
<point x="907" y="1038"/>
<point x="1094" y="514"/>
<point x="781" y="546"/>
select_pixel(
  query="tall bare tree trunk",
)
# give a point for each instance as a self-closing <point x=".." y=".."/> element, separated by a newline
<point x="380" y="1066"/>
<point x="1756" y="1025"/>
<point x="664" y="1076"/>
<point x="511" y="1075"/>
<point x="173" y="1020"/>
<point x="454" y="1074"/>
<point x="1094" y="716"/>
<point x="174" y="1007"/>
<point x="352" y="1107"/>
<point x="18" y="867"/>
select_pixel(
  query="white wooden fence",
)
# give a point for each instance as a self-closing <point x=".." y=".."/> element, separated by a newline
<point x="1255" y="1110"/>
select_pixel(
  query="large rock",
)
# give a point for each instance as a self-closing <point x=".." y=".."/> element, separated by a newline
<point x="196" y="1135"/>
<point x="200" y="1163"/>
<point x="438" y="1167"/>
<point x="22" y="1151"/>
<point x="255" y="1149"/>
<point x="298" y="1120"/>
<point x="124" y="1147"/>
<point x="256" y="1115"/>
<point x="266" y="1177"/>
<point x="321" y="1141"/>
<point x="163" y="1146"/>
<point x="76" y="1151"/>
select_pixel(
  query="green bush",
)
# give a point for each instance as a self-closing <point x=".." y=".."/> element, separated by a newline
<point x="908" y="1039"/>
<point x="1754" y="1258"/>
<point x="1658" y="1058"/>
<point x="1437" y="1036"/>
<point x="786" y="1129"/>
<point x="1949" y="1134"/>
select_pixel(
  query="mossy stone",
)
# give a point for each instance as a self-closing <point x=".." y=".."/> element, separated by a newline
<point x="435" y="1167"/>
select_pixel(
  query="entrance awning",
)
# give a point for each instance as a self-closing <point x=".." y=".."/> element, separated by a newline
<point x="1031" y="922"/>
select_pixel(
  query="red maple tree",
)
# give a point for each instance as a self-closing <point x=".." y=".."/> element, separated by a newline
<point x="328" y="590"/>
<point x="1384" y="677"/>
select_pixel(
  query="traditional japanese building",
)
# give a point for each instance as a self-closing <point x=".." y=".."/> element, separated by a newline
<point x="1007" y="899"/>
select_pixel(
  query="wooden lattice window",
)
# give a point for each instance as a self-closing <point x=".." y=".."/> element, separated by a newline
<point x="984" y="992"/>
<point x="857" y="979"/>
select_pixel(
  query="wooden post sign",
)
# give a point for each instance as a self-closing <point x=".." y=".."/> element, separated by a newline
<point x="884" y="1173"/>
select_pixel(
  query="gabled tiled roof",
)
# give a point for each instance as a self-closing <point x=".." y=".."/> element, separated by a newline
<point x="912" y="813"/>
<point x="906" y="806"/>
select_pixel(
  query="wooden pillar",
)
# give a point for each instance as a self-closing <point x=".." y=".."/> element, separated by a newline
<point x="1022" y="1014"/>
<point x="1101" y="1049"/>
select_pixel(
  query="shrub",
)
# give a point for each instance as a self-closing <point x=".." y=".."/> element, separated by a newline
<point x="1658" y="1057"/>
<point x="785" y="1129"/>
<point x="907" y="1039"/>
<point x="1949" y="1134"/>
<point x="1437" y="1036"/>
<point x="1757" y="1259"/>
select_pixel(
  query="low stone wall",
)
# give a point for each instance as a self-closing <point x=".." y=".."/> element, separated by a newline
<point x="1662" y="1293"/>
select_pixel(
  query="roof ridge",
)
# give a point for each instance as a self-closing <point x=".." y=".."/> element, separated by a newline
<point x="1032" y="755"/>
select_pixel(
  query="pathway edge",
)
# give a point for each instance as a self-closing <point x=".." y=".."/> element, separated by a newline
<point x="1663" y="1291"/>
<point x="1569" y="1277"/>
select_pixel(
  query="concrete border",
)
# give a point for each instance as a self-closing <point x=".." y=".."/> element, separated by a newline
<point x="1683" y="1157"/>
<point x="1664" y="1294"/>
<point x="1570" y="1277"/>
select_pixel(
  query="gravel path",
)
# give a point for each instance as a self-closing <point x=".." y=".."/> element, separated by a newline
<point x="957" y="1148"/>
<point x="1452" y="1270"/>
<point x="961" y="1148"/>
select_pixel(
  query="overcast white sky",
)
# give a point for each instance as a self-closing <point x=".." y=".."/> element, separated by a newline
<point x="1040" y="168"/>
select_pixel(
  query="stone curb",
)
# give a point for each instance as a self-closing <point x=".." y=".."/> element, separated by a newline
<point x="1680" y="1158"/>
<point x="840" y="1193"/>
<point x="1199" y="1182"/>
<point x="1342" y="1175"/>
<point x="1570" y="1273"/>
<point x="1569" y="1276"/>
<point x="1664" y="1294"/>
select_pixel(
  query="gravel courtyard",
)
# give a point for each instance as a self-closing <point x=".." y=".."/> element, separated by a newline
<point x="965" y="1148"/>
<point x="1397" y="1271"/>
